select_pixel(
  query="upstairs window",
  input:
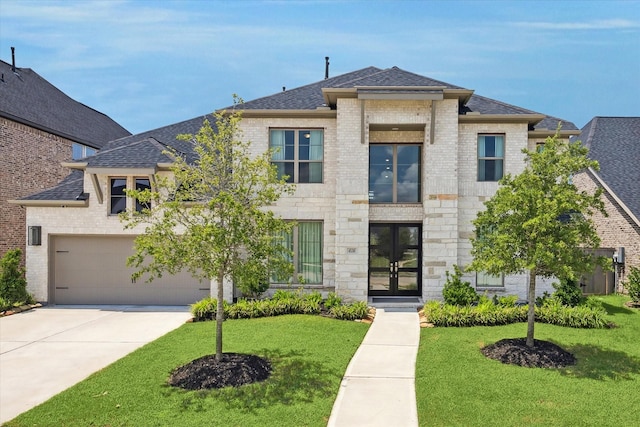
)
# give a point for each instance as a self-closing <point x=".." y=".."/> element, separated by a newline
<point x="118" y="199"/>
<point x="80" y="151"/>
<point x="141" y="185"/>
<point x="490" y="157"/>
<point x="298" y="154"/>
<point x="394" y="173"/>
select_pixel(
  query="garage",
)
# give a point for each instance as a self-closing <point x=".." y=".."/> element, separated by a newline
<point x="92" y="270"/>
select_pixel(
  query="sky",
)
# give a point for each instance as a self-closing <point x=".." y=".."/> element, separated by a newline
<point x="148" y="64"/>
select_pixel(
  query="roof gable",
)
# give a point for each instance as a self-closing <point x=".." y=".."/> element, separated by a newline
<point x="27" y="98"/>
<point x="615" y="143"/>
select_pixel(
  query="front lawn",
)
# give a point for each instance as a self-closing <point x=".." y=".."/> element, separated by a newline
<point x="457" y="386"/>
<point x="309" y="355"/>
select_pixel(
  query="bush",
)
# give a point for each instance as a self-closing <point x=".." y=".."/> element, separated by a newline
<point x="505" y="301"/>
<point x="582" y="316"/>
<point x="282" y="302"/>
<point x="487" y="313"/>
<point x="457" y="292"/>
<point x="333" y="300"/>
<point x="568" y="292"/>
<point x="632" y="284"/>
<point x="13" y="285"/>
<point x="354" y="311"/>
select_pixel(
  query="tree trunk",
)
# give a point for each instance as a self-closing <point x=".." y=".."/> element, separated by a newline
<point x="219" y="316"/>
<point x="531" y="315"/>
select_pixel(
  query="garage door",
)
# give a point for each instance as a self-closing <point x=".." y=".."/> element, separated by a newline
<point x="92" y="270"/>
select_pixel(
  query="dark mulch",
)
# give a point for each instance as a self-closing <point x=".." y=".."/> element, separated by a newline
<point x="544" y="354"/>
<point x="233" y="370"/>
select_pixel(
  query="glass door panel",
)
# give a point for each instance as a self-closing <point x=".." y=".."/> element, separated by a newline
<point x="394" y="259"/>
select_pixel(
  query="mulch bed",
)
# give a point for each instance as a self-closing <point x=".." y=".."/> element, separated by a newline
<point x="233" y="370"/>
<point x="544" y="354"/>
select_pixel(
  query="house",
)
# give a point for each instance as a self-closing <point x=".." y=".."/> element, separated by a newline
<point x="390" y="166"/>
<point x="615" y="143"/>
<point x="40" y="127"/>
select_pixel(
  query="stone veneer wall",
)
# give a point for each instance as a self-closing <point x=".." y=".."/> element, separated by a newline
<point x="30" y="163"/>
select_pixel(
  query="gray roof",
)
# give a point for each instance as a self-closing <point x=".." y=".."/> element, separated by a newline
<point x="70" y="188"/>
<point x="27" y="98"/>
<point x="615" y="143"/>
<point x="145" y="150"/>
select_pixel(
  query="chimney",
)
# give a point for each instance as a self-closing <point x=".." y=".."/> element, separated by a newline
<point x="326" y="67"/>
<point x="13" y="59"/>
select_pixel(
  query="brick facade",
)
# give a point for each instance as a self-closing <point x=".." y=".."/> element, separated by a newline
<point x="617" y="229"/>
<point x="30" y="163"/>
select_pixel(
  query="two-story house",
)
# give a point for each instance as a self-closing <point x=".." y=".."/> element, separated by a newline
<point x="391" y="167"/>
<point x="40" y="127"/>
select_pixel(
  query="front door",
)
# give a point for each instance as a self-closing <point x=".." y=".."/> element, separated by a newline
<point x="394" y="259"/>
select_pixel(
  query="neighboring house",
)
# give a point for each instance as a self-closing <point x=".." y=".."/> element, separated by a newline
<point x="391" y="168"/>
<point x="615" y="143"/>
<point x="40" y="127"/>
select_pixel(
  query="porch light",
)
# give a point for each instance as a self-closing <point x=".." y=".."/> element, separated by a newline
<point x="35" y="235"/>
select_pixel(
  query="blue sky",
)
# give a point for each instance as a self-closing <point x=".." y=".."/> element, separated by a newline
<point x="147" y="64"/>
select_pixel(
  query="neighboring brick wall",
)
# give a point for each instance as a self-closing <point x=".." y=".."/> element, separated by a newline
<point x="617" y="229"/>
<point x="29" y="162"/>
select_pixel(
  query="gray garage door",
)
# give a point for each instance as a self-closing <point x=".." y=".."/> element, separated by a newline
<point x="92" y="270"/>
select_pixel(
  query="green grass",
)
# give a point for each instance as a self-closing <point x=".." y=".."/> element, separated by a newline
<point x="309" y="354"/>
<point x="457" y="386"/>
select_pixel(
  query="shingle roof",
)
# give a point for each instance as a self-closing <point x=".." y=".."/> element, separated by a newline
<point x="615" y="143"/>
<point x="307" y="97"/>
<point x="70" y="188"/>
<point x="145" y="149"/>
<point x="28" y="98"/>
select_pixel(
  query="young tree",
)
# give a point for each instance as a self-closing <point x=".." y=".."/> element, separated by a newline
<point x="539" y="222"/>
<point x="211" y="216"/>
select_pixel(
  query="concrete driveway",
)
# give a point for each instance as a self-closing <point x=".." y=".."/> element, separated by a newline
<point x="47" y="350"/>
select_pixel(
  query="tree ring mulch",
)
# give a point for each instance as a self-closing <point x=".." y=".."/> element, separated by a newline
<point x="544" y="354"/>
<point x="233" y="370"/>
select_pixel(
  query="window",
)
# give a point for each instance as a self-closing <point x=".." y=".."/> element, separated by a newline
<point x="118" y="196"/>
<point x="79" y="151"/>
<point x="306" y="244"/>
<point x="298" y="154"/>
<point x="486" y="280"/>
<point x="141" y="185"/>
<point x="394" y="173"/>
<point x="490" y="157"/>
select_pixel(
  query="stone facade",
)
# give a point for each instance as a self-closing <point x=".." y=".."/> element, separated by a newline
<point x="30" y="163"/>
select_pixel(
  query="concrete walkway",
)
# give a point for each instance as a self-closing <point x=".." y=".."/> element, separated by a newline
<point x="47" y="350"/>
<point x="378" y="388"/>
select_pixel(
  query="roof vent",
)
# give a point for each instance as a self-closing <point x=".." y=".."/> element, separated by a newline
<point x="326" y="67"/>
<point x="13" y="59"/>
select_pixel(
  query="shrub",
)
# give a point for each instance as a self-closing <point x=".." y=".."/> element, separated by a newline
<point x="457" y="292"/>
<point x="505" y="301"/>
<point x="353" y="311"/>
<point x="13" y="285"/>
<point x="568" y="292"/>
<point x="632" y="284"/>
<point x="333" y="300"/>
<point x="252" y="288"/>
<point x="582" y="316"/>
<point x="205" y="309"/>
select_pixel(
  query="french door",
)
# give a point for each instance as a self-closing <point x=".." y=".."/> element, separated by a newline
<point x="394" y="259"/>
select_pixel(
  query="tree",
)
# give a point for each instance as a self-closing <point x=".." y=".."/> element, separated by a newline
<point x="210" y="216"/>
<point x="539" y="222"/>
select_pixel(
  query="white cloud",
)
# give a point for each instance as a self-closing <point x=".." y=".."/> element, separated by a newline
<point x="606" y="24"/>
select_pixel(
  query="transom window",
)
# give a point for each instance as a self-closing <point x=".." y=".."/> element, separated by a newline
<point x="298" y="154"/>
<point x="305" y="241"/>
<point x="394" y="173"/>
<point x="118" y="199"/>
<point x="490" y="157"/>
